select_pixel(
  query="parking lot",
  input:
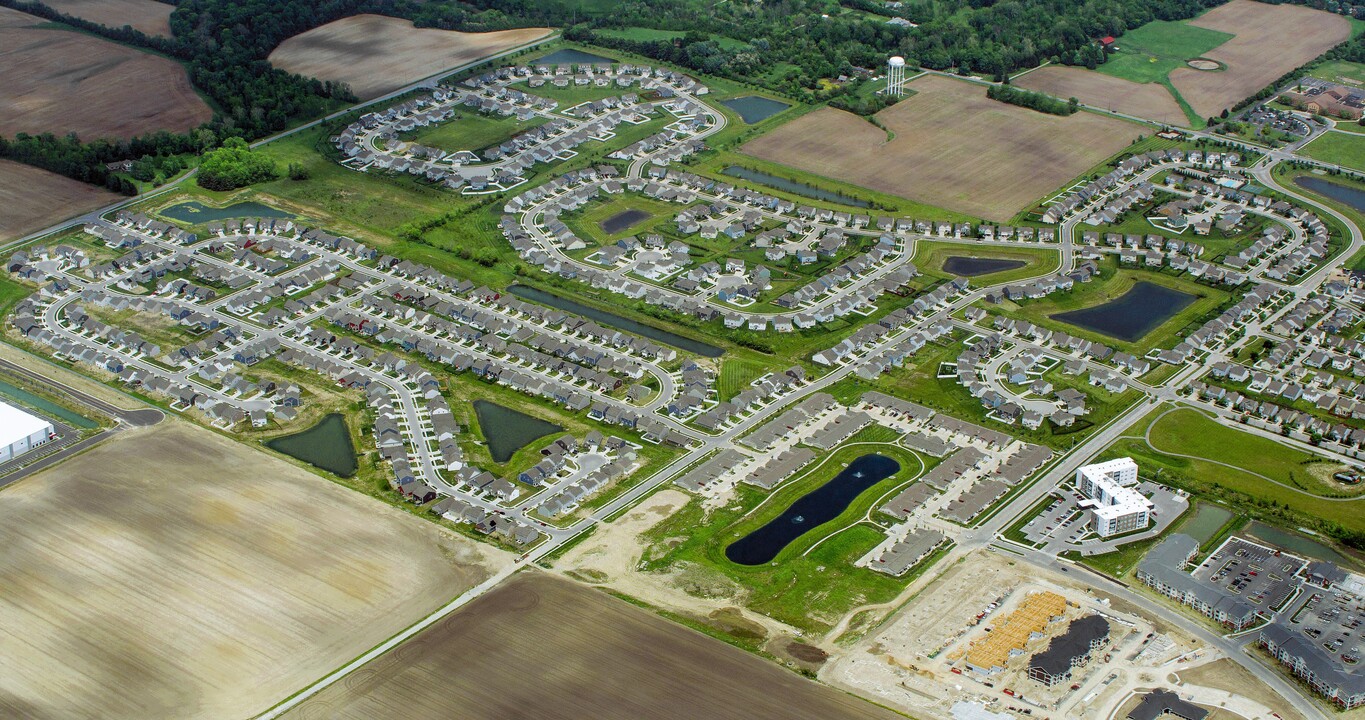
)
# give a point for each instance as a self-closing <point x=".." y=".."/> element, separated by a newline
<point x="1263" y="576"/>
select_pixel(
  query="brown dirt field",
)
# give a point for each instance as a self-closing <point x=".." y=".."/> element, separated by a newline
<point x="149" y="16"/>
<point x="1224" y="674"/>
<point x="543" y="647"/>
<point x="953" y="148"/>
<point x="33" y="199"/>
<point x="1270" y="41"/>
<point x="175" y="573"/>
<point x="1149" y="100"/>
<point x="375" y="54"/>
<point x="59" y="81"/>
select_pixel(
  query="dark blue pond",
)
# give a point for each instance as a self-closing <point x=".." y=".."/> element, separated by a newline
<point x="569" y="56"/>
<point x="1341" y="193"/>
<point x="197" y="212"/>
<point x="973" y="266"/>
<point x="755" y="108"/>
<point x="813" y="509"/>
<point x="623" y="220"/>
<point x="326" y="445"/>
<point x="1132" y="315"/>
<point x="507" y="430"/>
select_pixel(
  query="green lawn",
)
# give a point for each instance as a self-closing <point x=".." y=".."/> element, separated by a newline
<point x="1340" y="71"/>
<point x="1151" y="52"/>
<point x="809" y="591"/>
<point x="472" y="131"/>
<point x="930" y="256"/>
<point x="573" y="94"/>
<point x="1189" y="432"/>
<point x="1112" y="283"/>
<point x="1344" y="149"/>
<point x="736" y="374"/>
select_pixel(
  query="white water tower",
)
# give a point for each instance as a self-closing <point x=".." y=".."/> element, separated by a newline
<point x="895" y="76"/>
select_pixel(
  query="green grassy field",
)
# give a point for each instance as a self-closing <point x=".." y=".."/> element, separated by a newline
<point x="1111" y="284"/>
<point x="1151" y="52"/>
<point x="472" y="131"/>
<point x="1189" y="432"/>
<point x="642" y="34"/>
<point x="930" y="256"/>
<point x="736" y="374"/>
<point x="1340" y="71"/>
<point x="1345" y="149"/>
<point x="809" y="589"/>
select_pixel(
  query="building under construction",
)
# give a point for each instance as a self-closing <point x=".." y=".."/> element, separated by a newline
<point x="1029" y="621"/>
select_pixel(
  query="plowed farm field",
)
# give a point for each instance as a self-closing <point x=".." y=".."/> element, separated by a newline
<point x="62" y="81"/>
<point x="149" y="16"/>
<point x="174" y="573"/>
<point x="953" y="148"/>
<point x="34" y="199"/>
<point x="542" y="647"/>
<point x="375" y="54"/>
<point x="1144" y="100"/>
<point x="1270" y="40"/>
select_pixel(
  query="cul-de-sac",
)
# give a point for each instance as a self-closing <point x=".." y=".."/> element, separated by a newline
<point x="679" y="360"/>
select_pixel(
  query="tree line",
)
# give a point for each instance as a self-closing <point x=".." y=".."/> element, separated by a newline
<point x="1041" y="102"/>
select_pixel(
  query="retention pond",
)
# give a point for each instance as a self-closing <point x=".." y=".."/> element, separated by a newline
<point x="1336" y="191"/>
<point x="792" y="186"/>
<point x="507" y="430"/>
<point x="811" y="510"/>
<point x="755" y="108"/>
<point x="616" y="321"/>
<point x="974" y="266"/>
<point x="623" y="220"/>
<point x="569" y="56"/>
<point x="326" y="445"/>
<point x="1132" y="315"/>
<point x="197" y="212"/>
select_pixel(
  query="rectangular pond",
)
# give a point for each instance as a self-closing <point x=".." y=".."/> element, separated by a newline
<point x="1132" y="315"/>
<point x="792" y="186"/>
<point x="623" y="220"/>
<point x="811" y="510"/>
<point x="197" y="212"/>
<point x="616" y="321"/>
<point x="974" y="266"/>
<point x="755" y="108"/>
<point x="326" y="445"/>
<point x="506" y="430"/>
<point x="1208" y="519"/>
<point x="570" y="56"/>
<point x="45" y="406"/>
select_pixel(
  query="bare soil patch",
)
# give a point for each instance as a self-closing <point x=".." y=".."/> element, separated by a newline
<point x="1270" y="41"/>
<point x="174" y="573"/>
<point x="1149" y="100"/>
<point x="953" y="148"/>
<point x="149" y="16"/>
<point x="1224" y="674"/>
<point x="543" y="647"/>
<point x="375" y="54"/>
<point x="61" y="81"/>
<point x="33" y="199"/>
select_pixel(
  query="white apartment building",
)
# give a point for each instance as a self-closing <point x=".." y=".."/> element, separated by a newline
<point x="20" y="432"/>
<point x="1114" y="503"/>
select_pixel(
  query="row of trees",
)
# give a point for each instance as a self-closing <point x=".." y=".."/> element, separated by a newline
<point x="1041" y="102"/>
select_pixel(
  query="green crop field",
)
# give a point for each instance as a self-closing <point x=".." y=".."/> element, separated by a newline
<point x="1151" y="52"/>
<point x="1250" y="472"/>
<point x="1343" y="149"/>
<point x="804" y="587"/>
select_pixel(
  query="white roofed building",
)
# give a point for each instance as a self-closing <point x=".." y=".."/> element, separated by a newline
<point x="21" y="432"/>
<point x="1116" y="506"/>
